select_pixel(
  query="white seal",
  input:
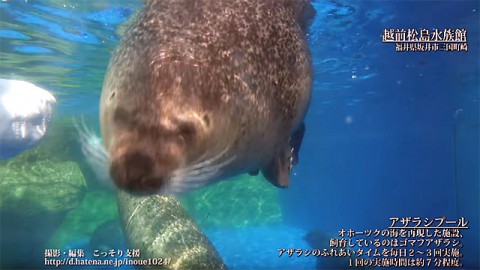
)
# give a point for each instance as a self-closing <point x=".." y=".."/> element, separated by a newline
<point x="25" y="112"/>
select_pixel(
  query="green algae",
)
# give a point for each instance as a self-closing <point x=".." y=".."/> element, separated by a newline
<point x="238" y="202"/>
<point x="37" y="189"/>
<point x="41" y="186"/>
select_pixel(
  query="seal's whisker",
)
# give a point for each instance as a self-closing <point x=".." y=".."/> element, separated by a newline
<point x="178" y="185"/>
<point x="90" y="142"/>
<point x="189" y="179"/>
<point x="209" y="161"/>
<point x="204" y="163"/>
<point x="198" y="177"/>
<point x="180" y="189"/>
<point x="94" y="152"/>
<point x="194" y="175"/>
<point x="188" y="174"/>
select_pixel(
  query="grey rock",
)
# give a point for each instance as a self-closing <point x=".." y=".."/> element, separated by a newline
<point x="34" y="199"/>
<point x="159" y="227"/>
<point x="41" y="186"/>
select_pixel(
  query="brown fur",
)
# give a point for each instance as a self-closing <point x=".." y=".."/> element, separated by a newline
<point x="193" y="78"/>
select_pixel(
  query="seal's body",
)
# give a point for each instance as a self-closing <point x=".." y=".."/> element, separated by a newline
<point x="198" y="91"/>
<point x="25" y="114"/>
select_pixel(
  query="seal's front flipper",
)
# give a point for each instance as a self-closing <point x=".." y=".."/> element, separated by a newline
<point x="278" y="170"/>
<point x="303" y="11"/>
<point x="296" y="141"/>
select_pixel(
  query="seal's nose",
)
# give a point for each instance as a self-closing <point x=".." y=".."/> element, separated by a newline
<point x="133" y="172"/>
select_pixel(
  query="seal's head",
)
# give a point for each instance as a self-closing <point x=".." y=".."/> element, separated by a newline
<point x="25" y="114"/>
<point x="198" y="91"/>
<point x="155" y="127"/>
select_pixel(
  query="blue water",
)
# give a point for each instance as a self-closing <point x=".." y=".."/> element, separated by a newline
<point x="240" y="252"/>
<point x="389" y="134"/>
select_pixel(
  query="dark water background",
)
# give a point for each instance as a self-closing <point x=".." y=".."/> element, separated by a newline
<point x="389" y="134"/>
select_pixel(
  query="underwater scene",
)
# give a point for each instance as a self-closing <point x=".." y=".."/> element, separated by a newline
<point x="239" y="134"/>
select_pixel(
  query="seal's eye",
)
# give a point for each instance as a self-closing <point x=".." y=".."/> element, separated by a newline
<point x="206" y="119"/>
<point x="122" y="117"/>
<point x="112" y="95"/>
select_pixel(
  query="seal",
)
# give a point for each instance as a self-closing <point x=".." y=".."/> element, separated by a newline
<point x="199" y="91"/>
<point x="25" y="114"/>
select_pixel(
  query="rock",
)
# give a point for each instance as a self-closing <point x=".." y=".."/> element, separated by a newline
<point x="96" y="208"/>
<point x="34" y="199"/>
<point x="239" y="202"/>
<point x="42" y="186"/>
<point x="159" y="227"/>
<point x="107" y="236"/>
